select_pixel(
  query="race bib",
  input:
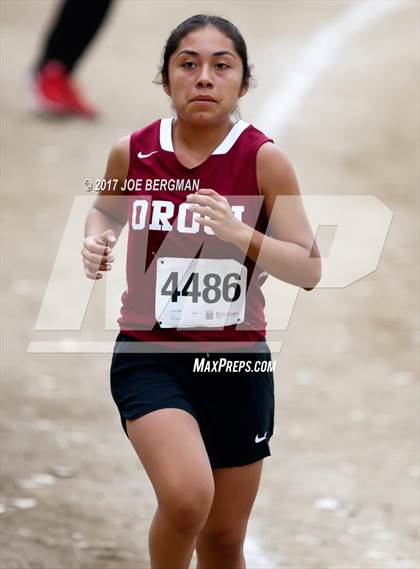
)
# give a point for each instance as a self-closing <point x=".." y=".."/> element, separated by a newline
<point x="199" y="292"/>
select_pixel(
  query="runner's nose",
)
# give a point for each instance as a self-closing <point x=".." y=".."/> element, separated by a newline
<point x="204" y="79"/>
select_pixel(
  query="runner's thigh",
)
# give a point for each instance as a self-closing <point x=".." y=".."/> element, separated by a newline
<point x="169" y="444"/>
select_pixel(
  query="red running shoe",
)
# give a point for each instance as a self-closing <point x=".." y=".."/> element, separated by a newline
<point x="54" y="92"/>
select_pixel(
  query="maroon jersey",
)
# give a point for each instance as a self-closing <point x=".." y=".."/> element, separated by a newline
<point x="184" y="284"/>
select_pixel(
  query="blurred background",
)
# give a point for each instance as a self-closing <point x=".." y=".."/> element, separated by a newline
<point x="338" y="88"/>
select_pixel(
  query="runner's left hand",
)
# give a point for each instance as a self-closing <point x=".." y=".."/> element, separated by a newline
<point x="219" y="216"/>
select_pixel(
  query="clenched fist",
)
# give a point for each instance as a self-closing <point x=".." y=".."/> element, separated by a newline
<point x="96" y="253"/>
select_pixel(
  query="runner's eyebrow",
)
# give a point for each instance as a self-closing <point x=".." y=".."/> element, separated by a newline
<point x="216" y="53"/>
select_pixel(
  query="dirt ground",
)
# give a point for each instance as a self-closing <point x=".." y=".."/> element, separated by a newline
<point x="340" y="490"/>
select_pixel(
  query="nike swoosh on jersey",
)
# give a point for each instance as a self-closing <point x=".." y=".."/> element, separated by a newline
<point x="259" y="439"/>
<point x="140" y="155"/>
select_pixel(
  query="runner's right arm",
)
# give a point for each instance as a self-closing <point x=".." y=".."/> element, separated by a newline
<point x="108" y="215"/>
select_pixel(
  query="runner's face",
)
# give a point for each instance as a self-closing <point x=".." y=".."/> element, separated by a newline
<point x="205" y="64"/>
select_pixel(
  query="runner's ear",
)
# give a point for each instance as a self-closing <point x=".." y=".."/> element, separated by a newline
<point x="243" y="91"/>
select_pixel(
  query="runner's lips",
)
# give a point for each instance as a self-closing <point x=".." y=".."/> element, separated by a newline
<point x="204" y="99"/>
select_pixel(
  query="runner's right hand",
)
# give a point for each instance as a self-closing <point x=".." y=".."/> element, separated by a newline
<point x="96" y="253"/>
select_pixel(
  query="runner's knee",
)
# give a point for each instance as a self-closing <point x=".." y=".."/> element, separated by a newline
<point x="187" y="509"/>
<point x="227" y="541"/>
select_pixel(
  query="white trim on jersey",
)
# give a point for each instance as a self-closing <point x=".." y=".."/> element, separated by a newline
<point x="224" y="147"/>
<point x="231" y="137"/>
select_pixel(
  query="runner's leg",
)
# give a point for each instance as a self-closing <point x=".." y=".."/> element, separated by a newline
<point x="220" y="542"/>
<point x="76" y="24"/>
<point x="168" y="442"/>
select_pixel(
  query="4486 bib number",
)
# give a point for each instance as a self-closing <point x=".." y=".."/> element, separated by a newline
<point x="199" y="292"/>
<point x="213" y="287"/>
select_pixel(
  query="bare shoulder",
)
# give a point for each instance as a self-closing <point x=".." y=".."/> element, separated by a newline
<point x="110" y="202"/>
<point x="119" y="157"/>
<point x="275" y="173"/>
<point x="122" y="145"/>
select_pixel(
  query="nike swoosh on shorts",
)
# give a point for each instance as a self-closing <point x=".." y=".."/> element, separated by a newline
<point x="259" y="439"/>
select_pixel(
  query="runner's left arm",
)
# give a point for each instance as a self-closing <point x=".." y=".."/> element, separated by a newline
<point x="290" y="253"/>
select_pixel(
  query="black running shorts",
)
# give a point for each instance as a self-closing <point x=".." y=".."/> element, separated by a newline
<point x="233" y="401"/>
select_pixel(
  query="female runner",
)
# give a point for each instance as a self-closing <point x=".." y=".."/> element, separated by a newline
<point x="200" y="195"/>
